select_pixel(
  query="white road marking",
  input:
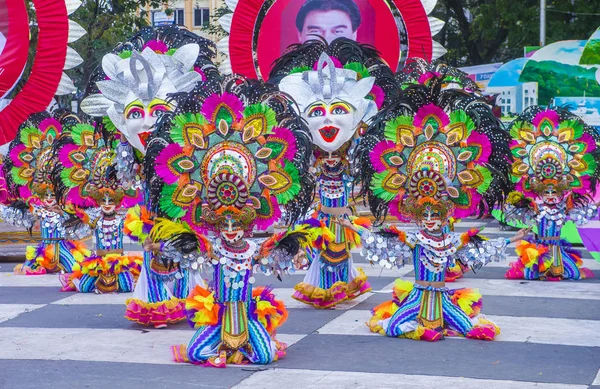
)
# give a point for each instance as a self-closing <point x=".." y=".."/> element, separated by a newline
<point x="316" y="379"/>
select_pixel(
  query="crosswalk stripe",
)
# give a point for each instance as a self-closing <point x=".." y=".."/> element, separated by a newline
<point x="597" y="379"/>
<point x="10" y="311"/>
<point x="543" y="330"/>
<point x="148" y="346"/>
<point x="313" y="379"/>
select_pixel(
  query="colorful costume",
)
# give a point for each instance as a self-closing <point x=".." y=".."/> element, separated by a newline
<point x="88" y="182"/>
<point x="133" y="88"/>
<point x="337" y="88"/>
<point x="29" y="173"/>
<point x="557" y="165"/>
<point x="432" y="154"/>
<point x="224" y="166"/>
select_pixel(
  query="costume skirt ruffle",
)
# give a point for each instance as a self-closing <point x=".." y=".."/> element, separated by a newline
<point x="237" y="332"/>
<point x="547" y="260"/>
<point x="158" y="300"/>
<point x="325" y="288"/>
<point x="52" y="257"/>
<point x="111" y="273"/>
<point x="426" y="313"/>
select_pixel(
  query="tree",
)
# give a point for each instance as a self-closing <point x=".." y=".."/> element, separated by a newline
<point x="484" y="31"/>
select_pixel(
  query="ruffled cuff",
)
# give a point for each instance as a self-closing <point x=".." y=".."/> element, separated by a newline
<point x="582" y="215"/>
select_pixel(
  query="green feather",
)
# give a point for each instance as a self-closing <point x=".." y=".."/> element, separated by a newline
<point x="166" y="203"/>
<point x="462" y="198"/>
<point x="391" y="127"/>
<point x="65" y="177"/>
<point x="294" y="189"/>
<point x="26" y="133"/>
<point x="180" y="122"/>
<point x="592" y="165"/>
<point x="78" y="130"/>
<point x="576" y="125"/>
<point x="378" y="189"/>
<point x="487" y="179"/>
<point x="125" y="54"/>
<point x="358" y="68"/>
<point x="266" y="111"/>
<point x="460" y="116"/>
<point x="300" y="69"/>
<point x="16" y="177"/>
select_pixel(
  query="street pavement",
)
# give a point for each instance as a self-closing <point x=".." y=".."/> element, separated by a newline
<point x="550" y="339"/>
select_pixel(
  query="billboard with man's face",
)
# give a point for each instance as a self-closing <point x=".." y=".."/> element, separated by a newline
<point x="262" y="30"/>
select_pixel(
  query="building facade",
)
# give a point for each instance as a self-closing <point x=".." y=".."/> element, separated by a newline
<point x="191" y="14"/>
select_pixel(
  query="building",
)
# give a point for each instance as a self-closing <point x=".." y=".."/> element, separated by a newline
<point x="515" y="99"/>
<point x="192" y="14"/>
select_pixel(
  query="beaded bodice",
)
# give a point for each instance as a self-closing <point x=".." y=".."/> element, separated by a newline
<point x="109" y="233"/>
<point x="232" y="277"/>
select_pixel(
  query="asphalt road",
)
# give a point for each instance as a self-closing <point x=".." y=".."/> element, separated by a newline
<point x="550" y="339"/>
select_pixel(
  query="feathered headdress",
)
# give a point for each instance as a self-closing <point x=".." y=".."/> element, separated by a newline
<point x="240" y="154"/>
<point x="30" y="161"/>
<point x="86" y="174"/>
<point x="553" y="147"/>
<point x="419" y="71"/>
<point x="434" y="148"/>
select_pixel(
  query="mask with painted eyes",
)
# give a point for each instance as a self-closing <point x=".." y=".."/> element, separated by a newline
<point x="551" y="196"/>
<point x="432" y="220"/>
<point x="232" y="231"/>
<point x="140" y="120"/>
<point x="331" y="125"/>
<point x="332" y="100"/>
<point x="136" y="92"/>
<point x="108" y="206"/>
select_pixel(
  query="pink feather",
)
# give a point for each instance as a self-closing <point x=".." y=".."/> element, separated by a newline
<point x="336" y="63"/>
<point x="591" y="144"/>
<point x="263" y="224"/>
<point x="475" y="198"/>
<point x="48" y="123"/>
<point x="482" y="141"/>
<point x="214" y="101"/>
<point x="584" y="189"/>
<point x="285" y="135"/>
<point x="431" y="110"/>
<point x="74" y="196"/>
<point x="162" y="163"/>
<point x="377" y="95"/>
<point x="547" y="114"/>
<point x="14" y="153"/>
<point x="428" y="76"/>
<point x="157" y="46"/>
<point x="64" y="155"/>
<point x="378" y="151"/>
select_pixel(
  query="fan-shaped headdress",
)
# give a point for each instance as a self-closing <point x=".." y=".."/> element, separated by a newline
<point x="239" y="154"/>
<point x="553" y="147"/>
<point x="434" y="148"/>
<point x="87" y="173"/>
<point x="30" y="161"/>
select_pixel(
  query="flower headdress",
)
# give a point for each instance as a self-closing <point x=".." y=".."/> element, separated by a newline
<point x="553" y="147"/>
<point x="437" y="148"/>
<point x="239" y="154"/>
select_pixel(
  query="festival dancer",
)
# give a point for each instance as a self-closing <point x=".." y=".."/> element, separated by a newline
<point x="134" y="86"/>
<point x="337" y="88"/>
<point x="29" y="174"/>
<point x="556" y="170"/>
<point x="224" y="164"/>
<point x="88" y="184"/>
<point x="432" y="155"/>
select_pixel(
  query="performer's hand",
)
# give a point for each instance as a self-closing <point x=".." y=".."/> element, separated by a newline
<point x="149" y="245"/>
<point x="521" y="234"/>
<point x="300" y="259"/>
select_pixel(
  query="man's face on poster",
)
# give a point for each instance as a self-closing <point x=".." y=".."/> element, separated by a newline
<point x="329" y="25"/>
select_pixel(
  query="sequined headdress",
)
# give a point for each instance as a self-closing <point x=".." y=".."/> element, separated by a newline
<point x="434" y="148"/>
<point x="239" y="153"/>
<point x="553" y="147"/>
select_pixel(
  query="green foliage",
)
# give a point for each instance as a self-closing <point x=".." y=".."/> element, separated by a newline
<point x="591" y="53"/>
<point x="557" y="79"/>
<point x="214" y="29"/>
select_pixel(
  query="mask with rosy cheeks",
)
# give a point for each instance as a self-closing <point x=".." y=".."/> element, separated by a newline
<point x="232" y="231"/>
<point x="432" y="220"/>
<point x="108" y="206"/>
<point x="334" y="101"/>
<point x="136" y="89"/>
<point x="140" y="120"/>
<point x="331" y="125"/>
<point x="551" y="196"/>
